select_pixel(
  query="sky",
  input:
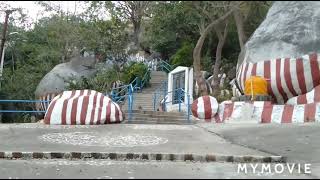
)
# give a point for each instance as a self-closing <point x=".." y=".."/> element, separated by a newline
<point x="35" y="11"/>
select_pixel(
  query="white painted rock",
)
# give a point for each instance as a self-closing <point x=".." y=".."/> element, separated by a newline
<point x="81" y="107"/>
<point x="205" y="107"/>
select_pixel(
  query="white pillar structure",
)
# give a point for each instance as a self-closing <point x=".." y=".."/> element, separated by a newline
<point x="180" y="77"/>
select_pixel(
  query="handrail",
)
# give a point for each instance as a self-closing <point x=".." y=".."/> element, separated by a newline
<point x="22" y="101"/>
<point x="181" y="93"/>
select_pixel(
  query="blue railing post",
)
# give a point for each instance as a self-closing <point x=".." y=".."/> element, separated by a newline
<point x="130" y="101"/>
<point x="179" y="99"/>
<point x="154" y="101"/>
<point x="141" y="85"/>
<point x="164" y="96"/>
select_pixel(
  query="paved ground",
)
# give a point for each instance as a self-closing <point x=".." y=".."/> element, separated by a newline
<point x="57" y="169"/>
<point x="298" y="142"/>
<point x="117" y="138"/>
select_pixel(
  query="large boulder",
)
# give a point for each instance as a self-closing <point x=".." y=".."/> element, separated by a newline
<point x="205" y="108"/>
<point x="290" y="29"/>
<point x="285" y="50"/>
<point x="54" y="81"/>
<point x="82" y="107"/>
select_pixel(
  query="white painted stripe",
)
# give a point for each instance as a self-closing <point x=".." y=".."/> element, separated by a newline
<point x="310" y="96"/>
<point x="273" y="81"/>
<point x="283" y="80"/>
<point x="104" y="110"/>
<point x="260" y="69"/>
<point x="200" y="109"/>
<point x="79" y="108"/>
<point x="113" y="113"/>
<point x="277" y="112"/>
<point x="98" y="106"/>
<point x="56" y="112"/>
<point x="317" y="114"/>
<point x="248" y="74"/>
<point x="237" y="107"/>
<point x="214" y="106"/>
<point x="89" y="110"/>
<point x="307" y="72"/>
<point x="298" y="114"/>
<point x="257" y="110"/>
<point x="292" y="101"/>
<point x="294" y="77"/>
<point x="221" y="111"/>
<point x="69" y="107"/>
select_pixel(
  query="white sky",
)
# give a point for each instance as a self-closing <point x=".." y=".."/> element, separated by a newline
<point x="35" y="12"/>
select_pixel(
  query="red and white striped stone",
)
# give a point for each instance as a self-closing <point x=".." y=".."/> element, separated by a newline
<point x="82" y="107"/>
<point x="205" y="107"/>
<point x="266" y="112"/>
<point x="287" y="77"/>
<point x="311" y="97"/>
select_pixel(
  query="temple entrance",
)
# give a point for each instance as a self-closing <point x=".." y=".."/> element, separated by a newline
<point x="178" y="82"/>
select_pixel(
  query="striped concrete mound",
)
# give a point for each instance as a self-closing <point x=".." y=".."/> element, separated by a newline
<point x="205" y="107"/>
<point x="288" y="77"/>
<point x="82" y="107"/>
<point x="310" y="97"/>
<point x="266" y="112"/>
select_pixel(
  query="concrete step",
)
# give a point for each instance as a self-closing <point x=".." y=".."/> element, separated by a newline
<point x="179" y="122"/>
<point x="155" y="112"/>
<point x="157" y="116"/>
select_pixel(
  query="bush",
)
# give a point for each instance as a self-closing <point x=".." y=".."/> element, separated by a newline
<point x="183" y="57"/>
<point x="134" y="70"/>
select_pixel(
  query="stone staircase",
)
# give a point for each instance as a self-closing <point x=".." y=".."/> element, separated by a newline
<point x="143" y="105"/>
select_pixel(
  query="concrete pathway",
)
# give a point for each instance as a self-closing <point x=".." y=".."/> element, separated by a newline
<point x="104" y="169"/>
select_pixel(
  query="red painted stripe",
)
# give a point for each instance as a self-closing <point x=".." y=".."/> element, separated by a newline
<point x="47" y="118"/>
<point x="84" y="109"/>
<point x="194" y="108"/>
<point x="300" y="75"/>
<point x="310" y="112"/>
<point x="315" y="71"/>
<point x="287" y="77"/>
<point x="317" y="94"/>
<point x="94" y="105"/>
<point x="64" y="109"/>
<point x="302" y="99"/>
<point x="207" y="107"/>
<point x="74" y="111"/>
<point x="278" y="80"/>
<point x="240" y="76"/>
<point x="254" y="69"/>
<point x="108" y="114"/>
<point x="245" y="75"/>
<point x="266" y="112"/>
<point x="287" y="114"/>
<point x="100" y="109"/>
<point x="228" y="109"/>
<point x="267" y="75"/>
<point x="75" y="108"/>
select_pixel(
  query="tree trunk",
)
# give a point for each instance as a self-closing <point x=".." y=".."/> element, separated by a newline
<point x="240" y="28"/>
<point x="136" y="33"/>
<point x="222" y="38"/>
<point x="197" y="54"/>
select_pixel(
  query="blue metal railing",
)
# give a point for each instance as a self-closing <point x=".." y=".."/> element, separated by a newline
<point x="164" y="66"/>
<point x="180" y="100"/>
<point x="127" y="91"/>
